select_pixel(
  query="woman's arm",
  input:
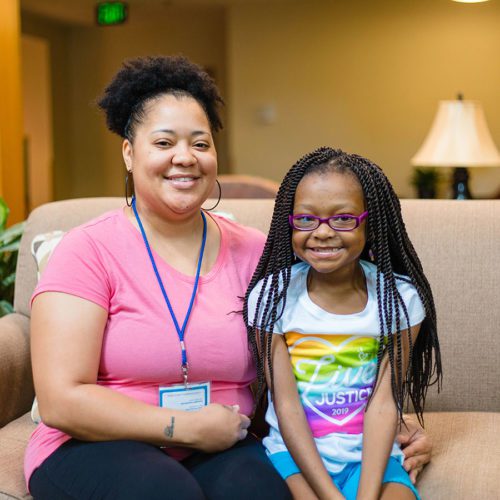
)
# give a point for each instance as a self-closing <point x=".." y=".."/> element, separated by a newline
<point x="380" y="425"/>
<point x="66" y="339"/>
<point x="416" y="446"/>
<point x="295" y="428"/>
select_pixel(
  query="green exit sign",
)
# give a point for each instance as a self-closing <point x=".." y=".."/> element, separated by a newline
<point x="111" y="13"/>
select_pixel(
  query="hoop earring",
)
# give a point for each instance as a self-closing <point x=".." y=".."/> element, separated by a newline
<point x="129" y="175"/>
<point x="218" y="199"/>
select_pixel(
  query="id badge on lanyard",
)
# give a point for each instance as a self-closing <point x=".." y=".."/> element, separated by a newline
<point x="185" y="396"/>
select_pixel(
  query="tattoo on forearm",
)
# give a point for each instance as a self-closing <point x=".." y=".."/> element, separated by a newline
<point x="169" y="429"/>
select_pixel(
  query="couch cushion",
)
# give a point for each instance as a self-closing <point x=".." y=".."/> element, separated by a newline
<point x="460" y="468"/>
<point x="42" y="247"/>
<point x="457" y="243"/>
<point x="13" y="440"/>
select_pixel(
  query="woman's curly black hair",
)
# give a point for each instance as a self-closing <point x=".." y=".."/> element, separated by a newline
<point x="145" y="78"/>
<point x="394" y="253"/>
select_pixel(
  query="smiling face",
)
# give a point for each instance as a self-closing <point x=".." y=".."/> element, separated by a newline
<point x="172" y="157"/>
<point x="324" y="195"/>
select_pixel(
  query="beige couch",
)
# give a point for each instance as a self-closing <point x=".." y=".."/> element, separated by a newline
<point x="459" y="247"/>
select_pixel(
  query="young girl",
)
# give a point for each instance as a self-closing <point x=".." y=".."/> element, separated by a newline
<point x="343" y="326"/>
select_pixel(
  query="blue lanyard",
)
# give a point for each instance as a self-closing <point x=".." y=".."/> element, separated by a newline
<point x="180" y="331"/>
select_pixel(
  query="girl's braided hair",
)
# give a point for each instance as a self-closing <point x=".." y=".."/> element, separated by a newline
<point x="144" y="79"/>
<point x="389" y="241"/>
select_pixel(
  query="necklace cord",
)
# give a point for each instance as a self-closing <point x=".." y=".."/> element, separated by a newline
<point x="180" y="331"/>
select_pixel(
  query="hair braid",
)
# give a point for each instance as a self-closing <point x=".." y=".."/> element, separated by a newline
<point x="395" y="254"/>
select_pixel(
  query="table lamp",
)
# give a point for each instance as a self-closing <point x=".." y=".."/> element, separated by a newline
<point x="460" y="138"/>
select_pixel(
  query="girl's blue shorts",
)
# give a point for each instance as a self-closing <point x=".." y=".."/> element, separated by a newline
<point x="347" y="480"/>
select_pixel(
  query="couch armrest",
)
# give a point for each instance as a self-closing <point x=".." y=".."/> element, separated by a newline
<point x="16" y="380"/>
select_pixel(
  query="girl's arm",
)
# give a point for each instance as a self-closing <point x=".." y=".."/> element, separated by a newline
<point x="380" y="426"/>
<point x="66" y="339"/>
<point x="295" y="429"/>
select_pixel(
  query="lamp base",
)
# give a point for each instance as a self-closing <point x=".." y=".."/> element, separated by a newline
<point x="461" y="184"/>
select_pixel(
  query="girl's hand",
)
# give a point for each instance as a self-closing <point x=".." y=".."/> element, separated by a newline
<point x="416" y="446"/>
<point x="218" y="427"/>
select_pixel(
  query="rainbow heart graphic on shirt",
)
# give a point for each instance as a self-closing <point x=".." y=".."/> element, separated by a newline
<point x="335" y="375"/>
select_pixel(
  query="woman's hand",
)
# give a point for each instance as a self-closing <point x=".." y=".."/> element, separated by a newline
<point x="416" y="446"/>
<point x="219" y="427"/>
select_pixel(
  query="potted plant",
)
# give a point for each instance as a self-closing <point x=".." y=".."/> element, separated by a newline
<point x="425" y="181"/>
<point x="9" y="246"/>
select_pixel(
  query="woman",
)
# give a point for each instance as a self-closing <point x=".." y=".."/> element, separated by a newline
<point x="142" y="373"/>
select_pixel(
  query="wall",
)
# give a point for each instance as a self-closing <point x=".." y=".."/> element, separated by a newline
<point x="57" y="37"/>
<point x="37" y="119"/>
<point x="363" y="76"/>
<point x="11" y="128"/>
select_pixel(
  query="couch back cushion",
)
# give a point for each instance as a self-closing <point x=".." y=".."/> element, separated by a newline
<point x="457" y="243"/>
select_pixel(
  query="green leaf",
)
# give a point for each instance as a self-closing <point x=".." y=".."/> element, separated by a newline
<point x="12" y="247"/>
<point x="13" y="233"/>
<point x="4" y="213"/>
<point x="9" y="246"/>
<point x="9" y="280"/>
<point x="5" y="308"/>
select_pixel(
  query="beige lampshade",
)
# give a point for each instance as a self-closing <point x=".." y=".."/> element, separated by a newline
<point x="459" y="137"/>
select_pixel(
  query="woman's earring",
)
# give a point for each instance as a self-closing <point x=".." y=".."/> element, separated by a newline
<point x="127" y="177"/>
<point x="371" y="255"/>
<point x="218" y="199"/>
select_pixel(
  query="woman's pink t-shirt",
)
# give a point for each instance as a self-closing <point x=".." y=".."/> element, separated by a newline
<point x="105" y="261"/>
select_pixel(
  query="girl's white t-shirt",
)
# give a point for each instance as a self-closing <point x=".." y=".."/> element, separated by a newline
<point x="334" y="360"/>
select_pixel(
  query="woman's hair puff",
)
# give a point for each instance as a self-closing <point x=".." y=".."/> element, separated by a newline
<point x="143" y="79"/>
